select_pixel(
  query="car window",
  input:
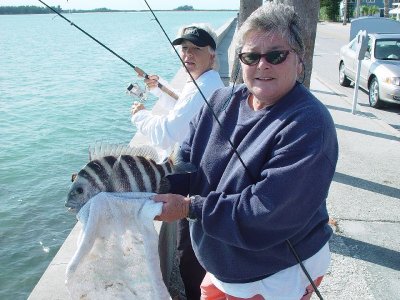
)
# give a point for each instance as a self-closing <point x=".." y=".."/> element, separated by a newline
<point x="387" y="49"/>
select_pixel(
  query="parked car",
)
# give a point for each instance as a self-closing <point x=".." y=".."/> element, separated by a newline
<point x="380" y="69"/>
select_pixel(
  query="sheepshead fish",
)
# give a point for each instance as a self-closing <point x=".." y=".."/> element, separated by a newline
<point x="116" y="168"/>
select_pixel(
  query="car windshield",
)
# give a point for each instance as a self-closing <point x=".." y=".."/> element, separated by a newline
<point x="387" y="49"/>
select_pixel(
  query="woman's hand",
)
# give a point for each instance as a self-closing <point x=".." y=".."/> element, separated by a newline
<point x="175" y="207"/>
<point x="136" y="106"/>
<point x="151" y="82"/>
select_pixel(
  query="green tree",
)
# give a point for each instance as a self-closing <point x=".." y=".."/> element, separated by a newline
<point x="372" y="10"/>
<point x="330" y="10"/>
<point x="19" y="10"/>
<point x="364" y="10"/>
<point x="185" y="7"/>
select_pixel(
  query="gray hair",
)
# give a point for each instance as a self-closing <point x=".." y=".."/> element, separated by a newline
<point x="274" y="18"/>
<point x="210" y="31"/>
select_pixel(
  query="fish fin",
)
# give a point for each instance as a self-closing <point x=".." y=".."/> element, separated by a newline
<point x="165" y="186"/>
<point x="73" y="177"/>
<point x="178" y="164"/>
<point x="103" y="149"/>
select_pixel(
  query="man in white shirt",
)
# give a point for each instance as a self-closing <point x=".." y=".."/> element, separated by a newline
<point x="197" y="51"/>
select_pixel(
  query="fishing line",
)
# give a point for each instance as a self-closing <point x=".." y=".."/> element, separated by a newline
<point x="294" y="252"/>
<point x="198" y="88"/>
<point x="225" y="105"/>
<point x="139" y="71"/>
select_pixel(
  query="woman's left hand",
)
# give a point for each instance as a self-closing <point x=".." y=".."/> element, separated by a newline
<point x="175" y="207"/>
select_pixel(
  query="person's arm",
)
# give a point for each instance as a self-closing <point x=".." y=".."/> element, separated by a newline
<point x="290" y="191"/>
<point x="165" y="131"/>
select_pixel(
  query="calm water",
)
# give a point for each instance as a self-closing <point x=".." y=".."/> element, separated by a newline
<point x="60" y="93"/>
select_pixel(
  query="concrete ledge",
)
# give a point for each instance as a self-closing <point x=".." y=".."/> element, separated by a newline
<point x="51" y="285"/>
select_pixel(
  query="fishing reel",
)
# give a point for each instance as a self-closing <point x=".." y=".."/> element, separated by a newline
<point x="135" y="90"/>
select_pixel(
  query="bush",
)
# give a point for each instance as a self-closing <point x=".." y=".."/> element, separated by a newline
<point x="373" y="9"/>
<point x="369" y="10"/>
<point x="329" y="10"/>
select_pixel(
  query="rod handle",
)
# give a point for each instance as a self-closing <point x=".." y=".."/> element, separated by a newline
<point x="142" y="73"/>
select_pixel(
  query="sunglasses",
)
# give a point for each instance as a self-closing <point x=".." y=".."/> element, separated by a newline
<point x="274" y="57"/>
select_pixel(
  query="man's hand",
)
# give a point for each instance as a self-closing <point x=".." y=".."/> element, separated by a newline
<point x="175" y="207"/>
<point x="151" y="82"/>
<point x="136" y="106"/>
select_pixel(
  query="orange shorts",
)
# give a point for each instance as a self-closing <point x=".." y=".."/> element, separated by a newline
<point x="210" y="292"/>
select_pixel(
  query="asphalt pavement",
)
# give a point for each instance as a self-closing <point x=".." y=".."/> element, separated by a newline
<point x="364" y="203"/>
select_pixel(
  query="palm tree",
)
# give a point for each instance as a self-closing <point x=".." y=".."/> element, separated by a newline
<point x="386" y="8"/>
<point x="345" y="13"/>
<point x="358" y="8"/>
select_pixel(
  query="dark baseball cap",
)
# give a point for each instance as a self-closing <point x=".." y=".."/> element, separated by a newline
<point x="197" y="36"/>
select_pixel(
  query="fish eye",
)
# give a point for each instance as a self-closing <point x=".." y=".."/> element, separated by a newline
<point x="79" y="190"/>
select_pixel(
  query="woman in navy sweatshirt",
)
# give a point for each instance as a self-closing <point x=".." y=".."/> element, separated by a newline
<point x="245" y="213"/>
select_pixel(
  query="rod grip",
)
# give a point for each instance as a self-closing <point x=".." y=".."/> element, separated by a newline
<point x="168" y="91"/>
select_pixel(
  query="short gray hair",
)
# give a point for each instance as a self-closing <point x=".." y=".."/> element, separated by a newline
<point x="274" y="18"/>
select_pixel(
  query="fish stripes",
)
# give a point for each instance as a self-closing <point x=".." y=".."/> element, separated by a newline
<point x="135" y="175"/>
<point x="150" y="179"/>
<point x="123" y="169"/>
<point x="160" y="170"/>
<point x="168" y="166"/>
<point x="100" y="173"/>
<point x="110" y="160"/>
<point x="84" y="174"/>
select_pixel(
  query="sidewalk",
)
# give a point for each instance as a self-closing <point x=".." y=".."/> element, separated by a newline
<point x="364" y="200"/>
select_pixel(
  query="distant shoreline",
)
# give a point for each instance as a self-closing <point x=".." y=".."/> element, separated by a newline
<point x="34" y="10"/>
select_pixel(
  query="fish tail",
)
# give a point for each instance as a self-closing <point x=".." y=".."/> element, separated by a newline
<point x="179" y="165"/>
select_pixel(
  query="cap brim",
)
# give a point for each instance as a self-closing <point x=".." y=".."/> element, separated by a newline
<point x="195" y="41"/>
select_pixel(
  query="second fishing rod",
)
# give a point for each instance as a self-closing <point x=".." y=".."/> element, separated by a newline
<point x="138" y="70"/>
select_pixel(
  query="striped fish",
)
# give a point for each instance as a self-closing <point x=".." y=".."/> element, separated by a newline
<point x="114" y="168"/>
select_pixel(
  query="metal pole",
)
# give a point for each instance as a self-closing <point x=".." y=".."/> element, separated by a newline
<point x="355" y="94"/>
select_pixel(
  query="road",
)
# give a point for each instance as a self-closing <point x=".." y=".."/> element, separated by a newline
<point x="330" y="37"/>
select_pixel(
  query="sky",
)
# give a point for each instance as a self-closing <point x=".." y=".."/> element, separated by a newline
<point x="128" y="4"/>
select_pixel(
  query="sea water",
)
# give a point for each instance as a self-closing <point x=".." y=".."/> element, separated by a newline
<point x="60" y="93"/>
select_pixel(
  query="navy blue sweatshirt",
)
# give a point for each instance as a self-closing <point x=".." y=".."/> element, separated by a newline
<point x="245" y="216"/>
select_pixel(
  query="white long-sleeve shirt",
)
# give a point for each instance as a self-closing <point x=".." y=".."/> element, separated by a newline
<point x="167" y="130"/>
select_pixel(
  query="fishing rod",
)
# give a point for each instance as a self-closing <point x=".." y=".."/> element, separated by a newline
<point x="292" y="249"/>
<point x="138" y="70"/>
<point x="198" y="88"/>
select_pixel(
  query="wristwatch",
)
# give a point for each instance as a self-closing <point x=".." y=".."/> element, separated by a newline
<point x="191" y="213"/>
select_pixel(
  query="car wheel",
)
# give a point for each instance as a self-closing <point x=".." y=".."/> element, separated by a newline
<point x="374" y="100"/>
<point x="343" y="80"/>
